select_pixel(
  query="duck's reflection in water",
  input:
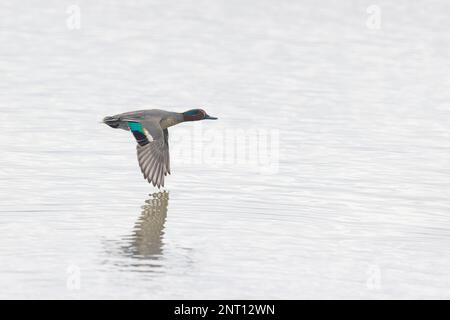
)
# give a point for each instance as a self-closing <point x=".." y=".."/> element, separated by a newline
<point x="145" y="243"/>
<point x="148" y="231"/>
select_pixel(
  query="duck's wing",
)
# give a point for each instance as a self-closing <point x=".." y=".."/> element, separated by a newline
<point x="152" y="150"/>
<point x="166" y="151"/>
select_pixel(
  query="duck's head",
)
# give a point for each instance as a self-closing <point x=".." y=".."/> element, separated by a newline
<point x="196" y="114"/>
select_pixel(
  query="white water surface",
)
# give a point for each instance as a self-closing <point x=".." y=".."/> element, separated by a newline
<point x="359" y="206"/>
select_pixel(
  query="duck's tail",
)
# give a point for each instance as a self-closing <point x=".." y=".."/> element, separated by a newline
<point x="113" y="122"/>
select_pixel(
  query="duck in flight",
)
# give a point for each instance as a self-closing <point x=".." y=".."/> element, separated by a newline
<point x="149" y="128"/>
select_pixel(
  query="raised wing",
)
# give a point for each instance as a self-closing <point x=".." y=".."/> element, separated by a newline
<point x="152" y="150"/>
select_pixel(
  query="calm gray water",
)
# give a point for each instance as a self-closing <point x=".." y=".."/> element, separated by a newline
<point x="357" y="103"/>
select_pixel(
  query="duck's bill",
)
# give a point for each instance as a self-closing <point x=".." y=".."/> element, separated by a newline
<point x="210" y="118"/>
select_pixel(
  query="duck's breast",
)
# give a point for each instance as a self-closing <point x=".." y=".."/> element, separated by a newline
<point x="170" y="119"/>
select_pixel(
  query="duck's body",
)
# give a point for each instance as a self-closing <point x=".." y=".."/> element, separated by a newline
<point x="149" y="128"/>
<point x="164" y="118"/>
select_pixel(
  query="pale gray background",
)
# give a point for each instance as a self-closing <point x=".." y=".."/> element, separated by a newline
<point x="359" y="208"/>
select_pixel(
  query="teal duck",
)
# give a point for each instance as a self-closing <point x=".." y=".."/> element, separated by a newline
<point x="149" y="128"/>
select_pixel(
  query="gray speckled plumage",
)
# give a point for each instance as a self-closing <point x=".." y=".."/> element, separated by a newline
<point x="149" y="128"/>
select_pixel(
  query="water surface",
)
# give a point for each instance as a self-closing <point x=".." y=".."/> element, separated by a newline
<point x="358" y="203"/>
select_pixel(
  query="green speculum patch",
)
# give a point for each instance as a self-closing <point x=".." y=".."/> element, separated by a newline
<point x="135" y="126"/>
<point x="138" y="133"/>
